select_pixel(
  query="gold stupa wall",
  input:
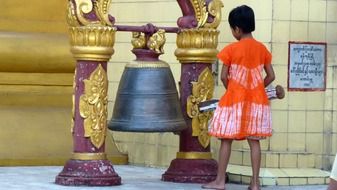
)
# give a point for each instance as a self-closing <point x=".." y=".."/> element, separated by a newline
<point x="36" y="77"/>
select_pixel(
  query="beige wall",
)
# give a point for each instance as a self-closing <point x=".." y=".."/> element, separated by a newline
<point x="304" y="123"/>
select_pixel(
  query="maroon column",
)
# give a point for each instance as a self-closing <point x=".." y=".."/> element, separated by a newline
<point x="193" y="163"/>
<point x="197" y="48"/>
<point x="92" y="37"/>
<point x="88" y="165"/>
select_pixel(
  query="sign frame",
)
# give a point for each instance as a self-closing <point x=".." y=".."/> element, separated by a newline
<point x="323" y="88"/>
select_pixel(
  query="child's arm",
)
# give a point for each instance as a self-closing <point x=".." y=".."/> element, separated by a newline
<point x="270" y="75"/>
<point x="224" y="75"/>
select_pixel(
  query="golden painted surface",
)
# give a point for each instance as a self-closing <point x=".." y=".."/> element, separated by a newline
<point x="93" y="43"/>
<point x="156" y="41"/>
<point x="78" y="10"/>
<point x="71" y="15"/>
<point x="35" y="89"/>
<point x="36" y="72"/>
<point x="200" y="10"/>
<point x="93" y="106"/>
<point x="33" y="37"/>
<point x="138" y="40"/>
<point x="73" y="107"/>
<point x="214" y="9"/>
<point x="35" y="96"/>
<point x="35" y="53"/>
<point x="102" y="10"/>
<point x="90" y="39"/>
<point x="42" y="79"/>
<point x="202" y="90"/>
<point x="33" y="125"/>
<point x="194" y="155"/>
<point x="197" y="45"/>
<point x="33" y="16"/>
<point x="89" y="156"/>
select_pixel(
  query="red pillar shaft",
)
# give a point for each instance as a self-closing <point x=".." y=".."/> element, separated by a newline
<point x="89" y="165"/>
<point x="92" y="37"/>
<point x="193" y="163"/>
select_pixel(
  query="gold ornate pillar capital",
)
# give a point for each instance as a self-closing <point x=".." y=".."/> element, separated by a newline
<point x="197" y="45"/>
<point x="92" y="34"/>
<point x="93" y="43"/>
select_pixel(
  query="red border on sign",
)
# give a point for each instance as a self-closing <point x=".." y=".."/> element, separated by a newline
<point x="325" y="66"/>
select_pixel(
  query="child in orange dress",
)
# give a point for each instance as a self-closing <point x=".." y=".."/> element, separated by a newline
<point x="243" y="111"/>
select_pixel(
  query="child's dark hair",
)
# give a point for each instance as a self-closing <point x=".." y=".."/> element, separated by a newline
<point x="243" y="18"/>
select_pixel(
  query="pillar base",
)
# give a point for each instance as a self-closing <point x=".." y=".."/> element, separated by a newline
<point x="88" y="173"/>
<point x="191" y="171"/>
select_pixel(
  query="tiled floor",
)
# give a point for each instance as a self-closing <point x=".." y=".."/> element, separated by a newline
<point x="133" y="178"/>
<point x="283" y="176"/>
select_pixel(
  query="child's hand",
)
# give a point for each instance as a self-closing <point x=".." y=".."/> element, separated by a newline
<point x="279" y="92"/>
<point x="273" y="93"/>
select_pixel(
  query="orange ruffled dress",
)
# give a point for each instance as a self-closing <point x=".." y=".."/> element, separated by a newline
<point x="244" y="110"/>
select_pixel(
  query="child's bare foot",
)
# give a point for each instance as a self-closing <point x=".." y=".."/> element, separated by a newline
<point x="254" y="186"/>
<point x="214" y="185"/>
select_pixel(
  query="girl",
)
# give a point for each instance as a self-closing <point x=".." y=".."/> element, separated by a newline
<point x="244" y="111"/>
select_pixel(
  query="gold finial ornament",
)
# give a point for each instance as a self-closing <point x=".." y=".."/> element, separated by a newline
<point x="156" y="41"/>
<point x="202" y="90"/>
<point x="93" y="106"/>
<point x="138" y="40"/>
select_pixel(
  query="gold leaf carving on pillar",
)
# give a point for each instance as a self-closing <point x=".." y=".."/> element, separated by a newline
<point x="73" y="107"/>
<point x="78" y="9"/>
<point x="102" y="10"/>
<point x="71" y="16"/>
<point x="93" y="106"/>
<point x="200" y="11"/>
<point x="202" y="90"/>
<point x="92" y="37"/>
<point x="214" y="9"/>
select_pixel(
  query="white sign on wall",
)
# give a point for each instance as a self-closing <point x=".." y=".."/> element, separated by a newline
<point x="307" y="66"/>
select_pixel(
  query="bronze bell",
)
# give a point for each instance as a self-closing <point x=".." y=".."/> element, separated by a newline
<point x="147" y="98"/>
